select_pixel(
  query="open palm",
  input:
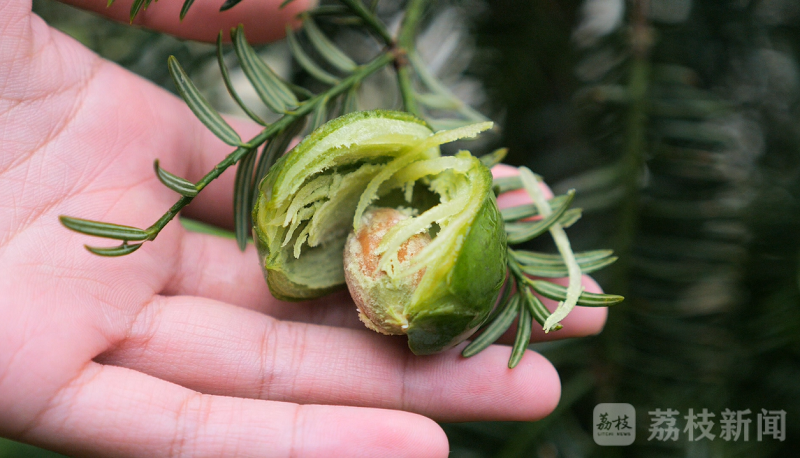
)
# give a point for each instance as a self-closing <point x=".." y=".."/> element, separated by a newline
<point x="179" y="349"/>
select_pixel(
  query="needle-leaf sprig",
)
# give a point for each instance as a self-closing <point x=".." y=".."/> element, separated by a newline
<point x="518" y="299"/>
<point x="295" y="105"/>
<point x="300" y="109"/>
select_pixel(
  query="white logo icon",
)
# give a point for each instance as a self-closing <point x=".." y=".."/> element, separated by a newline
<point x="614" y="424"/>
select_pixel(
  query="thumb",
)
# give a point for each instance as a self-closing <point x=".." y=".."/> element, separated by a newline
<point x="263" y="20"/>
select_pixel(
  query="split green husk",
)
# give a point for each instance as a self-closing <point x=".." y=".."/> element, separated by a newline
<point x="318" y="192"/>
<point x="368" y="201"/>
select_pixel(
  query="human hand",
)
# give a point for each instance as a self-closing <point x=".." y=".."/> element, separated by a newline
<point x="179" y="349"/>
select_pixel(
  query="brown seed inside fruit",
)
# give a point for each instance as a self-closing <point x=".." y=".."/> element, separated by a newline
<point x="380" y="299"/>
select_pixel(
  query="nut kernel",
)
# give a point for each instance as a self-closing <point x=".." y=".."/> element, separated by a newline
<point x="381" y="298"/>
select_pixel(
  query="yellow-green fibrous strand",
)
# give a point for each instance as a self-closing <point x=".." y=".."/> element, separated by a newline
<point x="574" y="287"/>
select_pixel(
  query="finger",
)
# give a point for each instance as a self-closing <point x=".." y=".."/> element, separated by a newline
<point x="191" y="151"/>
<point x="112" y="411"/>
<point x="123" y="143"/>
<point x="215" y="268"/>
<point x="218" y="349"/>
<point x="182" y="143"/>
<point x="174" y="136"/>
<point x="263" y="21"/>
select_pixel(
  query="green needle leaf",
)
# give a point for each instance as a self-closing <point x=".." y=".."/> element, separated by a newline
<point x="243" y="198"/>
<point x="100" y="229"/>
<point x="552" y="271"/>
<point x="528" y="210"/>
<point x="505" y="184"/>
<point x="534" y="258"/>
<point x="536" y="308"/>
<point x="272" y="91"/>
<point x="200" y="106"/>
<point x="495" y="329"/>
<point x="350" y="103"/>
<point x="522" y="232"/>
<point x="340" y="12"/>
<point x="135" y="8"/>
<point x="523" y="336"/>
<point x="229" y="84"/>
<point x="185" y="8"/>
<point x="180" y="185"/>
<point x="205" y="228"/>
<point x="326" y="48"/>
<point x="285" y="2"/>
<point x="505" y="296"/>
<point x="299" y="91"/>
<point x="561" y="271"/>
<point x="229" y="4"/>
<point x="121" y="250"/>
<point x="320" y="114"/>
<point x="266" y="160"/>
<point x="441" y="95"/>
<point x="305" y="61"/>
<point x="494" y="158"/>
<point x="371" y="21"/>
<point x="559" y="293"/>
<point x="437" y="101"/>
<point x="275" y="148"/>
<point x="553" y="266"/>
<point x="570" y="217"/>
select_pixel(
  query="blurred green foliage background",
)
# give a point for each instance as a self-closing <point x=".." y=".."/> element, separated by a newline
<point x="677" y="122"/>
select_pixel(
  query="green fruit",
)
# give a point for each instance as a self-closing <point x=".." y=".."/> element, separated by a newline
<point x="433" y="272"/>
